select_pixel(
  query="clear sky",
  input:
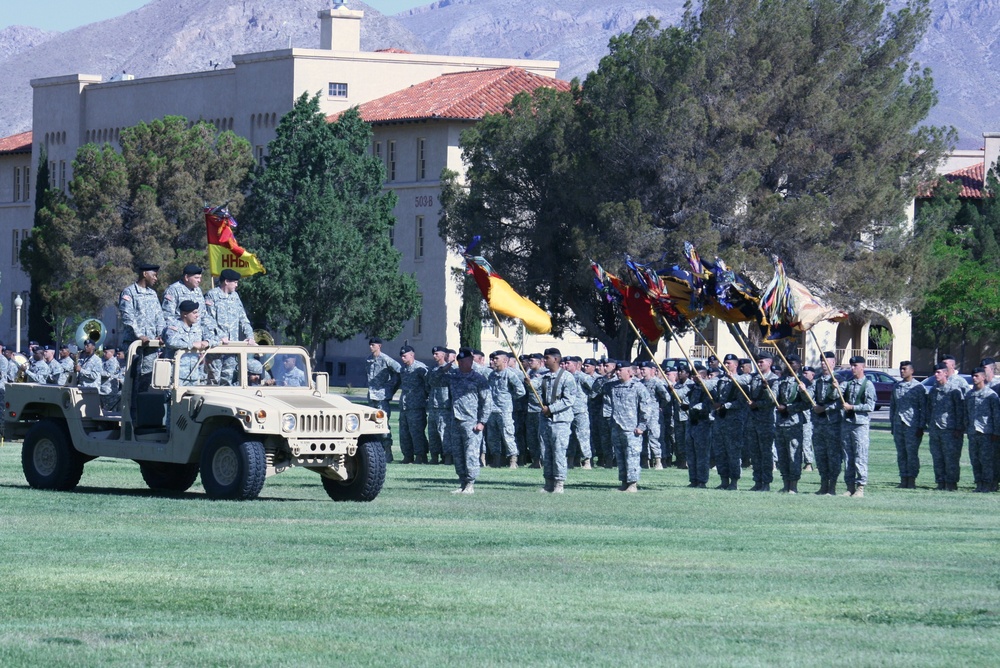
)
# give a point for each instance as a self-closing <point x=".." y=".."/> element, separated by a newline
<point x="64" y="15"/>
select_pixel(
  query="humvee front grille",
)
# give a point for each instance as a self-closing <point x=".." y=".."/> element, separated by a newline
<point x="320" y="424"/>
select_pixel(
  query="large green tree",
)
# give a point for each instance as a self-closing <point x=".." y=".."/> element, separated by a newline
<point x="752" y="128"/>
<point x="142" y="204"/>
<point x="318" y="219"/>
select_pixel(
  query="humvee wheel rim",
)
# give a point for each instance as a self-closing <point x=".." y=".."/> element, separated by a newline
<point x="225" y="466"/>
<point x="45" y="459"/>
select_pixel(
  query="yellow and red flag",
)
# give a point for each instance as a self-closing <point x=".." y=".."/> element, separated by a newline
<point x="223" y="251"/>
<point x="502" y="298"/>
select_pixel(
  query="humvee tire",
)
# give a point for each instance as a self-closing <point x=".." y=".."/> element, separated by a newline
<point x="232" y="467"/>
<point x="49" y="459"/>
<point x="167" y="477"/>
<point x="369" y="474"/>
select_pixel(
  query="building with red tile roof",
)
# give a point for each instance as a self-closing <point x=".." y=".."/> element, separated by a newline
<point x="16" y="144"/>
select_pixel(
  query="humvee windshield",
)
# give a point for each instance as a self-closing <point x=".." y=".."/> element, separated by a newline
<point x="261" y="366"/>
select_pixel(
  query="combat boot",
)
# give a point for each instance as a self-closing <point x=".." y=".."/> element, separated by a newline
<point x="793" y="487"/>
<point x="833" y="487"/>
<point x="435" y="459"/>
<point x="824" y="486"/>
<point x="657" y="464"/>
<point x="461" y="488"/>
<point x="470" y="488"/>
<point x="586" y="464"/>
<point x="765" y="487"/>
<point x="904" y="483"/>
<point x="608" y="463"/>
<point x="420" y="459"/>
<point x="940" y="487"/>
<point x="557" y="488"/>
<point x="952" y="487"/>
<point x="535" y="464"/>
<point x="724" y="484"/>
<point x="785" y="487"/>
<point x="631" y="487"/>
<point x="913" y="482"/>
<point x="448" y="459"/>
<point x="757" y="486"/>
<point x="388" y="452"/>
<point x="549" y="485"/>
<point x="850" y="490"/>
<point x="681" y="463"/>
<point x="668" y="460"/>
<point x="512" y="462"/>
<point x="733" y="485"/>
<point x="407" y="459"/>
<point x="859" y="492"/>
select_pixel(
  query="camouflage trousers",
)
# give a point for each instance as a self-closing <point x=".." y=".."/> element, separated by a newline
<point x="111" y="403"/>
<point x="668" y="439"/>
<point x="554" y="441"/>
<point x="699" y="450"/>
<point x="628" y="447"/>
<point x="827" y="448"/>
<point x="946" y="451"/>
<point x="788" y="441"/>
<point x="760" y="437"/>
<point x="579" y="440"/>
<point x="727" y="445"/>
<point x="500" y="435"/>
<point x="854" y="441"/>
<point x="531" y="436"/>
<point x="467" y="443"/>
<point x="438" y="422"/>
<point x="907" y="441"/>
<point x="652" y="446"/>
<point x="413" y="433"/>
<point x="519" y="432"/>
<point x="678" y="438"/>
<point x="600" y="437"/>
<point x="808" y="454"/>
<point x="981" y="452"/>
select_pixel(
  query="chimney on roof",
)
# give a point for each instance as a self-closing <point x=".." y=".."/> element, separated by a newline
<point x="991" y="143"/>
<point x="340" y="28"/>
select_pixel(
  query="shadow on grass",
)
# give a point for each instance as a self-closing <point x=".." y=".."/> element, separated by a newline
<point x="139" y="493"/>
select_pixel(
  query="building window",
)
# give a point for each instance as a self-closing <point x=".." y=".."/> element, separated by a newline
<point x="391" y="146"/>
<point x="27" y="184"/>
<point x="338" y="90"/>
<point x="17" y="184"/>
<point x="418" y="325"/>
<point x="15" y="248"/>
<point x="341" y="369"/>
<point x="52" y="174"/>
<point x="392" y="235"/>
<point x="260" y="155"/>
<point x="62" y="175"/>
<point x="419" y="248"/>
<point x="13" y="310"/>
<point x="377" y="150"/>
<point x="421" y="160"/>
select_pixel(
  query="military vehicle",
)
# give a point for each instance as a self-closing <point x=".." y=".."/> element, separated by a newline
<point x="180" y="420"/>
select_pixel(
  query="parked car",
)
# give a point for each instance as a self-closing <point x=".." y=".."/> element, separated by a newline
<point x="882" y="381"/>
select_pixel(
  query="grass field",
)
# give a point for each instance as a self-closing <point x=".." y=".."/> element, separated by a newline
<point x="112" y="574"/>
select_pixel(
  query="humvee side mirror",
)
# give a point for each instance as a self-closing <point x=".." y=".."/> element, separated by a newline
<point x="322" y="382"/>
<point x="163" y="374"/>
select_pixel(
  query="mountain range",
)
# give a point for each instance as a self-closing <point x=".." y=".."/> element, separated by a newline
<point x="962" y="45"/>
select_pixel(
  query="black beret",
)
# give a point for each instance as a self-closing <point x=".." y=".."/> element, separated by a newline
<point x="193" y="269"/>
<point x="375" y="339"/>
<point x="146" y="266"/>
<point x="406" y="349"/>
<point x="590" y="361"/>
<point x="89" y="342"/>
<point x="610" y="361"/>
<point x="763" y="355"/>
<point x="905" y="363"/>
<point x="713" y="358"/>
<point x="829" y="355"/>
<point x="698" y="366"/>
<point x="187" y="306"/>
<point x="986" y="361"/>
<point x="728" y="357"/>
<point x="681" y="366"/>
<point x="478" y="352"/>
<point x="744" y="360"/>
<point x="856" y="359"/>
<point x="552" y="351"/>
<point x="947" y="357"/>
<point x="450" y="351"/>
<point x="498" y="353"/>
<point x="463" y="353"/>
<point x="793" y="358"/>
<point x="647" y="364"/>
<point x="808" y="368"/>
<point x="64" y="346"/>
<point x="536" y="356"/>
<point x="439" y="349"/>
<point x="940" y="366"/>
<point x="229" y="275"/>
<point x="979" y="369"/>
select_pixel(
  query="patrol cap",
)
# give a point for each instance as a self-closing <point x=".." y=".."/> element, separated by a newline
<point x="406" y="349"/>
<point x="193" y="270"/>
<point x="553" y="351"/>
<point x="255" y="367"/>
<point x="793" y="358"/>
<point x="940" y="366"/>
<point x="729" y="357"/>
<point x="463" y="353"/>
<point x="229" y="275"/>
<point x="856" y="359"/>
<point x="979" y="369"/>
<point x="987" y="361"/>
<point x="536" y="356"/>
<point x="146" y="266"/>
<point x="763" y="355"/>
<point x="590" y="361"/>
<point x="187" y="306"/>
<point x="436" y="349"/>
<point x="375" y="340"/>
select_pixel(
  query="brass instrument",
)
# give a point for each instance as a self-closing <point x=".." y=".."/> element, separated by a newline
<point x="21" y="361"/>
<point x="92" y="330"/>
<point x="264" y="338"/>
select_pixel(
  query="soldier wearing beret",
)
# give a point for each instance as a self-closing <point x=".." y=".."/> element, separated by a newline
<point x="580" y="448"/>
<point x="760" y="434"/>
<point x="982" y="421"/>
<point x="727" y="430"/>
<point x="188" y="334"/>
<point x="536" y="371"/>
<point x="470" y="395"/>
<point x="906" y="423"/>
<point x="439" y="407"/>
<point x="630" y="405"/>
<point x="142" y="319"/>
<point x="383" y="381"/>
<point x="859" y="402"/>
<point x="827" y="421"/>
<point x="412" y="407"/>
<point x="225" y="321"/>
<point x="945" y="417"/>
<point x="558" y="391"/>
<point x="506" y="387"/>
<point x="186" y="289"/>
<point x="653" y="445"/>
<point x="793" y="402"/>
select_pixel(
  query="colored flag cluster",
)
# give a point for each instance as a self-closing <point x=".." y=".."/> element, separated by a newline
<point x="223" y="251"/>
<point x="501" y="298"/>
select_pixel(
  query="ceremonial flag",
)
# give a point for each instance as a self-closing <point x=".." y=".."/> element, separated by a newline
<point x="502" y="299"/>
<point x="223" y="251"/>
<point x="658" y="294"/>
<point x="634" y="303"/>
<point x="790" y="307"/>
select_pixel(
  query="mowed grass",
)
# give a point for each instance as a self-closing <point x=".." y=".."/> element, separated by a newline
<point x="113" y="574"/>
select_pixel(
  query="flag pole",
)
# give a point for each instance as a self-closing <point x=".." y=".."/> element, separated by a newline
<point x="740" y="337"/>
<point x="827" y="365"/>
<point x="801" y="384"/>
<point x="520" y="366"/>
<point x="663" y="375"/>
<point x="709" y="346"/>
<point x="694" y="372"/>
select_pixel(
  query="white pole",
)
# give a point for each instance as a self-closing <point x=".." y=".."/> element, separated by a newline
<point x="18" y="303"/>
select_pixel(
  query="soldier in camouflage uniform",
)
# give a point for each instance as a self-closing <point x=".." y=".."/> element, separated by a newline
<point x="679" y="408"/>
<point x="186" y="289"/>
<point x="66" y="364"/>
<point x="760" y="430"/>
<point x="699" y="429"/>
<point x="982" y="421"/>
<point x="470" y="396"/>
<point x="945" y="424"/>
<point x="558" y="391"/>
<point x="793" y="403"/>
<point x="808" y="454"/>
<point x="89" y="367"/>
<point x="859" y="398"/>
<point x="827" y="421"/>
<point x="38" y="370"/>
<point x="603" y="419"/>
<point x="439" y="407"/>
<point x="521" y="416"/>
<point x="651" y="438"/>
<point x="188" y="334"/>
<point x="225" y="320"/>
<point x="412" y="407"/>
<point x="630" y="405"/>
<point x="906" y="423"/>
<point x="536" y="371"/>
<point x="383" y="381"/>
<point x="111" y="382"/>
<point x="581" y="450"/>
<point x="142" y="320"/>
<point x="727" y="430"/>
<point x="506" y="386"/>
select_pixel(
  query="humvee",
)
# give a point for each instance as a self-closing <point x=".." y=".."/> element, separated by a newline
<point x="182" y="420"/>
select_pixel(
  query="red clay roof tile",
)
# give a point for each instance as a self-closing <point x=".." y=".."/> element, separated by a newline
<point x="20" y="143"/>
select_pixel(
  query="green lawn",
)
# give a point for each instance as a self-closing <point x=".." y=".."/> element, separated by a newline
<point x="112" y="574"/>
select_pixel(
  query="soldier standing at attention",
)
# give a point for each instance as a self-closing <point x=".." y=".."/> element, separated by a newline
<point x="808" y="454"/>
<point x="439" y="407"/>
<point x="680" y="407"/>
<point x="383" y="380"/>
<point x="225" y="320"/>
<point x="727" y="430"/>
<point x="992" y="381"/>
<point x="142" y="320"/>
<point x="186" y="289"/>
<point x="827" y="419"/>
<point x="945" y="423"/>
<point x="651" y="438"/>
<point x="581" y="448"/>
<point x="536" y="370"/>
<point x="604" y="420"/>
<point x="760" y="430"/>
<point x="470" y="395"/>
<point x="412" y="407"/>
<point x="558" y="392"/>
<point x="630" y="404"/>
<point x="906" y="424"/>
<point x="859" y="398"/>
<point x="506" y="387"/>
<point x="699" y="429"/>
<point x="793" y="403"/>
<point x="67" y="363"/>
<point x="983" y="424"/>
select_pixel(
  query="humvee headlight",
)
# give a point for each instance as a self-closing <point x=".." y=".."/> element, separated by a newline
<point x="352" y="423"/>
<point x="261" y="415"/>
<point x="288" y="422"/>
